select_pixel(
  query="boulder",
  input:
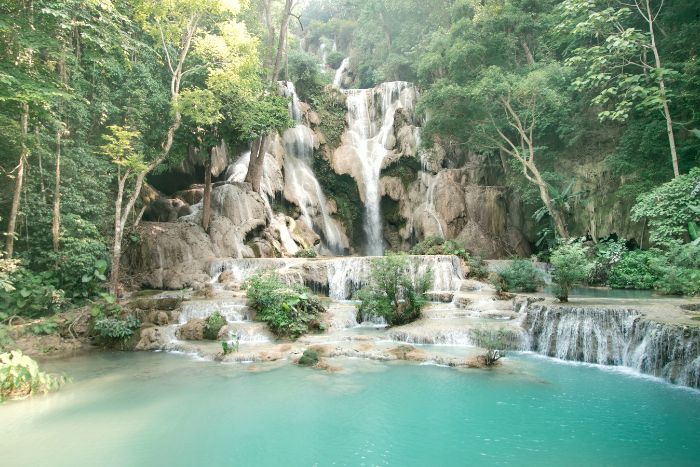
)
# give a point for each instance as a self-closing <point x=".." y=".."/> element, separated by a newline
<point x="193" y="330"/>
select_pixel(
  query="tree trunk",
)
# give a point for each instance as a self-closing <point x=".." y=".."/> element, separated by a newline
<point x="528" y="53"/>
<point x="662" y="92"/>
<point x="118" y="234"/>
<point x="270" y="55"/>
<point x="256" y="165"/>
<point x="559" y="223"/>
<point x="17" y="195"/>
<point x="206" y="200"/>
<point x="56" y="218"/>
<point x="283" y="39"/>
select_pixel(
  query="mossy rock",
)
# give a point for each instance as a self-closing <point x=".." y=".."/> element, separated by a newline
<point x="309" y="358"/>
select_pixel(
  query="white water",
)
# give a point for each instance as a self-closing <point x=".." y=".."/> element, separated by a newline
<point x="371" y="132"/>
<point x="615" y="337"/>
<point x="301" y="184"/>
<point x="344" y="67"/>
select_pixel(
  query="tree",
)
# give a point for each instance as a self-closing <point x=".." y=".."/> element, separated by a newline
<point x="620" y="60"/>
<point x="571" y="266"/>
<point x="393" y="292"/>
<point x="121" y="146"/>
<point x="514" y="109"/>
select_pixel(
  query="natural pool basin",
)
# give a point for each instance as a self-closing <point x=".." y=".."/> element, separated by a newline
<point x="161" y="409"/>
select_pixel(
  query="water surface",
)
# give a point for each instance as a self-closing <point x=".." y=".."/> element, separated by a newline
<point x="159" y="409"/>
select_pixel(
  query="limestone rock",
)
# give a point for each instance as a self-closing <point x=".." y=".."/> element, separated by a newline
<point x="193" y="330"/>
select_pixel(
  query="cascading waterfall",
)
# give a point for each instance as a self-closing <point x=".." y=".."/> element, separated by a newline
<point x="615" y="337"/>
<point x="371" y="122"/>
<point x="300" y="181"/>
<point x="339" y="278"/>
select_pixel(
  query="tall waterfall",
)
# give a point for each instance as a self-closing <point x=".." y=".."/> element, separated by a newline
<point x="371" y="131"/>
<point x="300" y="182"/>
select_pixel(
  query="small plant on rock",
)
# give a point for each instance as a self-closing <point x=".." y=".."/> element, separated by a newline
<point x="306" y="253"/>
<point x="112" y="325"/>
<point x="213" y="324"/>
<point x="309" y="358"/>
<point x="493" y="342"/>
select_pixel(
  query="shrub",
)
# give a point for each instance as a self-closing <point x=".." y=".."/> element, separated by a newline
<point x="607" y="254"/>
<point x="679" y="271"/>
<point x="635" y="270"/>
<point x="391" y="293"/>
<point x="306" y="253"/>
<point x="288" y="310"/>
<point x="671" y="209"/>
<point x="213" y="324"/>
<point x="520" y="276"/>
<point x="112" y="325"/>
<point x="494" y="342"/>
<point x="309" y="358"/>
<point x="20" y="377"/>
<point x="334" y="59"/>
<point x="571" y="266"/>
<point x="31" y="294"/>
<point x="44" y="328"/>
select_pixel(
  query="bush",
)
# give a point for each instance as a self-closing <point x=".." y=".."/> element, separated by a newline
<point x="520" y="276"/>
<point x="635" y="270"/>
<point x="671" y="209"/>
<point x="306" y="253"/>
<point x="305" y="73"/>
<point x="44" y="328"/>
<point x="679" y="271"/>
<point x="494" y="342"/>
<point x="571" y="266"/>
<point x="334" y="59"/>
<point x="392" y="293"/>
<point x="213" y="324"/>
<point x="607" y="254"/>
<point x="288" y="310"/>
<point x="31" y="294"/>
<point x="20" y="377"/>
<point x="112" y="325"/>
<point x="309" y="358"/>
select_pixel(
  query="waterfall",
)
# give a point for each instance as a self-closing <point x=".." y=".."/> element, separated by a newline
<point x="339" y="278"/>
<point x="371" y="132"/>
<point x="615" y="337"/>
<point x="301" y="184"/>
<point x="342" y="69"/>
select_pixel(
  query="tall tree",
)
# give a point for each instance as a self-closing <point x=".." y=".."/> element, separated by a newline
<point x="620" y="59"/>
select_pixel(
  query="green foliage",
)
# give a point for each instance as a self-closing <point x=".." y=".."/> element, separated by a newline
<point x="670" y="209"/>
<point x="308" y="358"/>
<point x="495" y="342"/>
<point x="607" y="254"/>
<point x="520" y="276"/>
<point x="34" y="294"/>
<point x="112" y="325"/>
<point x="571" y="266"/>
<point x="635" y="270"/>
<point x="44" y="328"/>
<point x="6" y="340"/>
<point x="227" y="348"/>
<point x="288" y="310"/>
<point x="435" y="245"/>
<point x="213" y="324"/>
<point x="305" y="73"/>
<point x="307" y="253"/>
<point x="405" y="168"/>
<point x="20" y="377"/>
<point x="331" y="108"/>
<point x="393" y="291"/>
<point x="335" y="59"/>
<point x="343" y="189"/>
<point x="679" y="271"/>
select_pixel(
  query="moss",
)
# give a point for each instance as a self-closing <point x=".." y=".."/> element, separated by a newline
<point x="343" y="189"/>
<point x="392" y="213"/>
<point x="331" y="109"/>
<point x="309" y="358"/>
<point x="213" y="324"/>
<point x="405" y="168"/>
